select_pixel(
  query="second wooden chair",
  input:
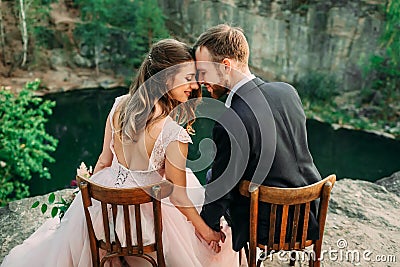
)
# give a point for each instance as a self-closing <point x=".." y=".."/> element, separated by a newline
<point x="298" y="199"/>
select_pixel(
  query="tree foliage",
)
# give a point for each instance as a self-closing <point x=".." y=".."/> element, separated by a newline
<point x="149" y="26"/>
<point x="391" y="36"/>
<point x="112" y="34"/>
<point x="24" y="143"/>
<point x="383" y="71"/>
<point x="32" y="14"/>
<point x="318" y="86"/>
<point x="119" y="29"/>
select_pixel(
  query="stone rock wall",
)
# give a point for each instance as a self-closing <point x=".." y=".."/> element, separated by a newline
<point x="290" y="38"/>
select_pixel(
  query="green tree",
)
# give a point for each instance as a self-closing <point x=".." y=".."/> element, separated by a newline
<point x="2" y="37"/>
<point x="150" y="25"/>
<point x="317" y="86"/>
<point x="383" y="71"/>
<point x="93" y="31"/>
<point x="24" y="143"/>
<point x="391" y="36"/>
<point x="121" y="30"/>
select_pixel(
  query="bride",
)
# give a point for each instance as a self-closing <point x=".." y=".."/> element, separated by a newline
<point x="143" y="143"/>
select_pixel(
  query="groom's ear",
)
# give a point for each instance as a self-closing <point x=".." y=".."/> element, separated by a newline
<point x="228" y="64"/>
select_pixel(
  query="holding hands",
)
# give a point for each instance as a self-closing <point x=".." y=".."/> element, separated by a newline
<point x="212" y="238"/>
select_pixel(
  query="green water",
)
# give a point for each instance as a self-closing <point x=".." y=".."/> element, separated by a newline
<point x="352" y="154"/>
<point x="79" y="118"/>
<point x="78" y="122"/>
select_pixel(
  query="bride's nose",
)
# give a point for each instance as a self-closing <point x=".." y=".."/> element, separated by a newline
<point x="194" y="85"/>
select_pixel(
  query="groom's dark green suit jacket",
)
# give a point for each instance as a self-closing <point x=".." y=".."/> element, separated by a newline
<point x="244" y="138"/>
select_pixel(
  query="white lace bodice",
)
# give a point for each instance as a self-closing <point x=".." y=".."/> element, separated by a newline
<point x="170" y="132"/>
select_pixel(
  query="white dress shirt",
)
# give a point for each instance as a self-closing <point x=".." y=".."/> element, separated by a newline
<point x="236" y="87"/>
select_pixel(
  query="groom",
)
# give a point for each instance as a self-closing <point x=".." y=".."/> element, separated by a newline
<point x="261" y="136"/>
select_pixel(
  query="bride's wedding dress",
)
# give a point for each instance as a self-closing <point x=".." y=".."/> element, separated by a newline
<point x="66" y="243"/>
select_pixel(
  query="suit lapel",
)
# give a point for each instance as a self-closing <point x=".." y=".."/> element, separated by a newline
<point x="247" y="88"/>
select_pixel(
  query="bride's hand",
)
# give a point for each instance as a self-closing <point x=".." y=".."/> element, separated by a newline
<point x="212" y="239"/>
<point x="214" y="246"/>
<point x="211" y="235"/>
<point x="208" y="235"/>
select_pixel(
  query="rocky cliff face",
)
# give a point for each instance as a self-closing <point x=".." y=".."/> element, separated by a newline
<point x="58" y="64"/>
<point x="290" y="38"/>
<point x="362" y="227"/>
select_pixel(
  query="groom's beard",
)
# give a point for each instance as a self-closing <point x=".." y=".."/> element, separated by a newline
<point x="217" y="90"/>
<point x="220" y="89"/>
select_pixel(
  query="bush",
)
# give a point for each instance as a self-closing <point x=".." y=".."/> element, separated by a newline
<point x="317" y="86"/>
<point x="24" y="143"/>
<point x="120" y="30"/>
<point x="45" y="37"/>
<point x="382" y="73"/>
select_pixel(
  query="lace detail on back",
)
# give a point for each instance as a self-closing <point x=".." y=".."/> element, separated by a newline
<point x="122" y="175"/>
<point x="171" y="132"/>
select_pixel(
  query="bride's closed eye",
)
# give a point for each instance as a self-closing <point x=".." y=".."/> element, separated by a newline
<point x="190" y="78"/>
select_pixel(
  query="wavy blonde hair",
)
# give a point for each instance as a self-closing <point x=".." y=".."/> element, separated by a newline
<point x="150" y="86"/>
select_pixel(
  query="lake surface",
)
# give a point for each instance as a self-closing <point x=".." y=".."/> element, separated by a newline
<point x="78" y="123"/>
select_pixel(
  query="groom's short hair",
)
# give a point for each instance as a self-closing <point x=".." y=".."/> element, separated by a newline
<point x="224" y="41"/>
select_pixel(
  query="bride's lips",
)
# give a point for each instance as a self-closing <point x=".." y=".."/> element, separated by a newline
<point x="188" y="93"/>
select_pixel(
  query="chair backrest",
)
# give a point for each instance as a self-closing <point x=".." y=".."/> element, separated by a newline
<point x="124" y="197"/>
<point x="296" y="199"/>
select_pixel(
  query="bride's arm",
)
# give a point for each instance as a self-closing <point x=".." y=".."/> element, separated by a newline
<point x="105" y="158"/>
<point x="175" y="171"/>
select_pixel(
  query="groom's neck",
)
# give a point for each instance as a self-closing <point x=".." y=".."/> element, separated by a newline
<point x="238" y="75"/>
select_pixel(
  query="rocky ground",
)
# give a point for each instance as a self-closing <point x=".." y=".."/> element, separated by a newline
<point x="391" y="183"/>
<point x="362" y="226"/>
<point x="18" y="220"/>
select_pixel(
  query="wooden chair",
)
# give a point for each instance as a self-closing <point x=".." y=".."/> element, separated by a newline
<point x="287" y="197"/>
<point x="124" y="197"/>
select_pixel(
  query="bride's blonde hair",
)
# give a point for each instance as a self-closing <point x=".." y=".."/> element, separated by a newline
<point x="150" y="86"/>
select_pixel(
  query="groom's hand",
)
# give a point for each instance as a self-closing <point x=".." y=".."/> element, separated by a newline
<point x="211" y="240"/>
<point x="209" y="236"/>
